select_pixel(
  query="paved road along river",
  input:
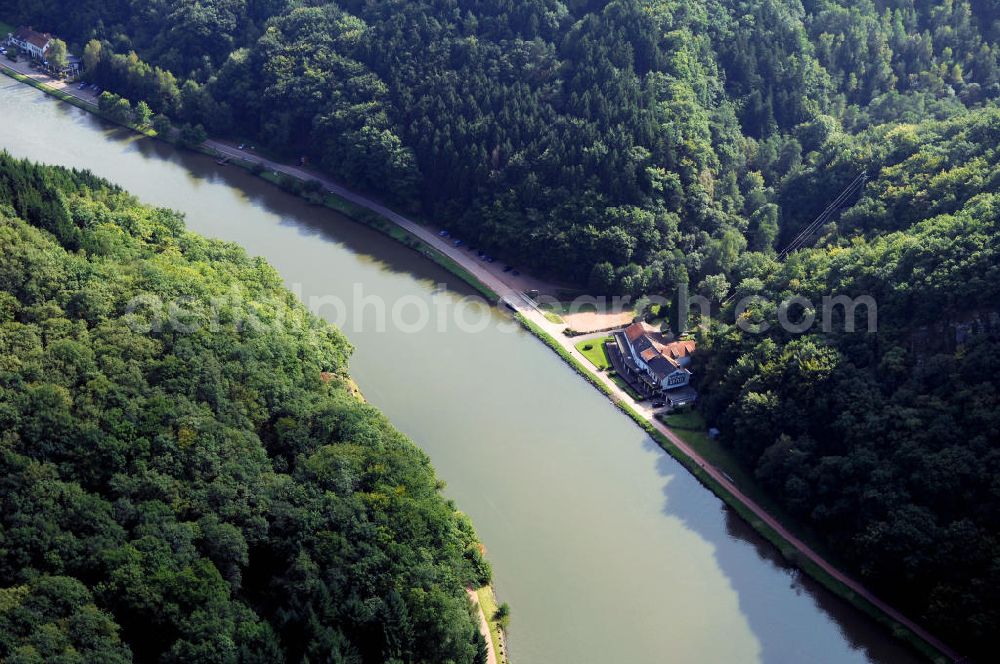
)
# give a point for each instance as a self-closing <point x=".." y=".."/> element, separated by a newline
<point x="606" y="549"/>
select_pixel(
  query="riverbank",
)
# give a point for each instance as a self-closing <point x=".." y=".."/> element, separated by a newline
<point x="548" y="331"/>
<point x="485" y="601"/>
<point x="333" y="200"/>
<point x="365" y="217"/>
<point x="488" y="601"/>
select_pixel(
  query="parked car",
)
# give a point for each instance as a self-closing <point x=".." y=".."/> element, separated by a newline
<point x="457" y="243"/>
<point x="659" y="404"/>
<point x="443" y="233"/>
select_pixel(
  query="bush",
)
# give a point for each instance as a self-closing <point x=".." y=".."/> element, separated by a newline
<point x="161" y="125"/>
<point x="192" y="136"/>
<point x="502" y="615"/>
<point x="115" y="107"/>
<point x="288" y="183"/>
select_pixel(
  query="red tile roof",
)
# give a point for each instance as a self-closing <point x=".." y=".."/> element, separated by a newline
<point x="649" y="354"/>
<point x="634" y="331"/>
<point x="680" y="349"/>
<point x="39" y="39"/>
<point x="661" y="359"/>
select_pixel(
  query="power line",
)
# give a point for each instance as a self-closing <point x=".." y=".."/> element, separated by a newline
<point x="802" y="238"/>
<point x="817" y="223"/>
<point x="824" y="217"/>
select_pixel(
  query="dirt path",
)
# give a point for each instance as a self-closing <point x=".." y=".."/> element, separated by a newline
<point x="484" y="628"/>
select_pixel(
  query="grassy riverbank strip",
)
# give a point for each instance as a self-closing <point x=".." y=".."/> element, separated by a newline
<point x="363" y="215"/>
<point x="691" y="427"/>
<point x="595" y="352"/>
<point x="488" y="603"/>
<point x="369" y="218"/>
<point x="58" y="94"/>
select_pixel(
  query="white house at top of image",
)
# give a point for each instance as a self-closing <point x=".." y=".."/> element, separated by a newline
<point x="35" y="43"/>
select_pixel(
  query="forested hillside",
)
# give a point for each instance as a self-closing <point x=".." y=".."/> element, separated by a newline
<point x="206" y="489"/>
<point x="629" y="145"/>
<point x="889" y="441"/>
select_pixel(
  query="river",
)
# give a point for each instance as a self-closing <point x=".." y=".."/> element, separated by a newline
<point x="607" y="550"/>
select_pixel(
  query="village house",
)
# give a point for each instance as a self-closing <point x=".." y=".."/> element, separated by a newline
<point x="34" y="43"/>
<point x="662" y="367"/>
<point x="37" y="46"/>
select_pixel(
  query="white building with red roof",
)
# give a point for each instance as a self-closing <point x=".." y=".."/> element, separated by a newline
<point x="26" y="39"/>
<point x="663" y="366"/>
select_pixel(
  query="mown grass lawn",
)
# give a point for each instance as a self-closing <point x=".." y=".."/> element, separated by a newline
<point x="594" y="351"/>
<point x="5" y="29"/>
<point x="488" y="603"/>
<point x="690" y="420"/>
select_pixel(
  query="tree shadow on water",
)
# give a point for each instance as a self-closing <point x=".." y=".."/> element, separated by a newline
<point x="314" y="220"/>
<point x="794" y="618"/>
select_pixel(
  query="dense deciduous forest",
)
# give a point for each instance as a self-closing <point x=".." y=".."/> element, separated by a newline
<point x="205" y="489"/>
<point x="888" y="441"/>
<point x="634" y="146"/>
